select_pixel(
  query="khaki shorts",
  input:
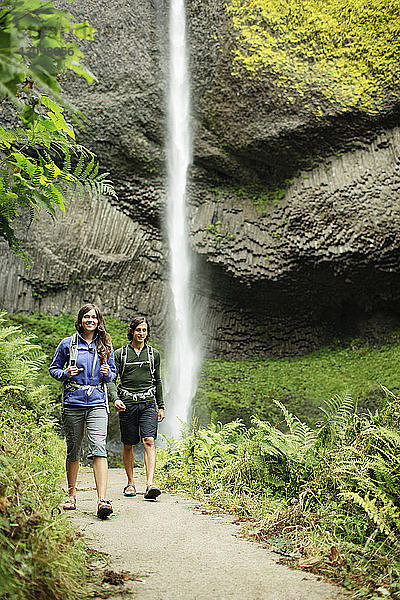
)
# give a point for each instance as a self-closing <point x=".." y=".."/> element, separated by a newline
<point x="74" y="419"/>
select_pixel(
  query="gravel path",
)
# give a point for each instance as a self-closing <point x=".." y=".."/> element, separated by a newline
<point x="179" y="553"/>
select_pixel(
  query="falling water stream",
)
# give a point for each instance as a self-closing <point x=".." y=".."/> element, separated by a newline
<point x="183" y="356"/>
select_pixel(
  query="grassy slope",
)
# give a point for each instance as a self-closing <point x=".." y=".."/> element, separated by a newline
<point x="239" y="389"/>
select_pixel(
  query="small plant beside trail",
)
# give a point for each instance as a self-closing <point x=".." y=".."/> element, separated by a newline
<point x="326" y="498"/>
<point x="40" y="556"/>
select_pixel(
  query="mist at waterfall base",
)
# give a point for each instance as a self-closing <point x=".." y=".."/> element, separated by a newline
<point x="183" y="357"/>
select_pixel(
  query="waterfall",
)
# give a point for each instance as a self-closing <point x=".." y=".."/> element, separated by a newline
<point x="183" y="358"/>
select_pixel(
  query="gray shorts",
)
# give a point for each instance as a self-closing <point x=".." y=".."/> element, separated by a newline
<point x="74" y="419"/>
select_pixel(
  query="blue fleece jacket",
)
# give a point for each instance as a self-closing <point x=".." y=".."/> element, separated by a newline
<point x="90" y="376"/>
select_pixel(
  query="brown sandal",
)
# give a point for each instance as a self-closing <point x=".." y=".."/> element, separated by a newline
<point x="129" y="491"/>
<point x="70" y="504"/>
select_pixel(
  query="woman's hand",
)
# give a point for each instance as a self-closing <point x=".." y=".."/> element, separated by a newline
<point x="161" y="415"/>
<point x="119" y="406"/>
<point x="72" y="371"/>
<point x="104" y="369"/>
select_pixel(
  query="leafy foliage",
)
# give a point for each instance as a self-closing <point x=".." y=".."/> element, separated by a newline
<point x="344" y="50"/>
<point x="40" y="162"/>
<point x="331" y="502"/>
<point x="40" y="557"/>
<point x="33" y="49"/>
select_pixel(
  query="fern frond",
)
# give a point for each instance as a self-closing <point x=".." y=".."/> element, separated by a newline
<point x="99" y="188"/>
<point x="80" y="190"/>
<point x="377" y="514"/>
<point x="289" y="418"/>
<point x="102" y="176"/>
<point x="301" y="432"/>
<point x="11" y="388"/>
<point x="88" y="169"/>
<point x="339" y="414"/>
<point x="338" y="408"/>
<point x="67" y="161"/>
<point x="383" y="436"/>
<point x="93" y="174"/>
<point x="80" y="164"/>
<point x="388" y="393"/>
<point x="389" y="508"/>
<point x="6" y="332"/>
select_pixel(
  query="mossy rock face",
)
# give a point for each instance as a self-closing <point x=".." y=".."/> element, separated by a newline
<point x="277" y="86"/>
<point x="293" y="197"/>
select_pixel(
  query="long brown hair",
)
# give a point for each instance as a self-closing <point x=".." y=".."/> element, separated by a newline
<point x="103" y="340"/>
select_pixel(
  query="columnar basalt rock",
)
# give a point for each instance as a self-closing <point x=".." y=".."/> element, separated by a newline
<point x="93" y="253"/>
<point x="294" y="219"/>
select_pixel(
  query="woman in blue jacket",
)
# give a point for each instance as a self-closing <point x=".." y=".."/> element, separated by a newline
<point x="84" y="362"/>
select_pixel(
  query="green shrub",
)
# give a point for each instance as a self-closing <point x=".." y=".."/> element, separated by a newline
<point x="329" y="495"/>
<point x="40" y="557"/>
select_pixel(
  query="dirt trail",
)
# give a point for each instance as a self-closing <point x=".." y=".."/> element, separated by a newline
<point x="179" y="553"/>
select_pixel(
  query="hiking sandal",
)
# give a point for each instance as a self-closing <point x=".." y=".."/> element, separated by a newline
<point x="151" y="493"/>
<point x="129" y="491"/>
<point x="104" y="509"/>
<point x="69" y="504"/>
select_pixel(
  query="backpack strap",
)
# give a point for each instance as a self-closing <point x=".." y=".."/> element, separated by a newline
<point x="150" y="354"/>
<point x="124" y="355"/>
<point x="73" y="349"/>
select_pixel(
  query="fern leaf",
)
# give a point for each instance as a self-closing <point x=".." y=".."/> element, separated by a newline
<point x="67" y="161"/>
<point x="79" y="167"/>
<point x="374" y="512"/>
<point x="88" y="170"/>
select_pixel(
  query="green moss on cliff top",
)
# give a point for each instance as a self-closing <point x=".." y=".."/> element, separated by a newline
<point x="344" y="50"/>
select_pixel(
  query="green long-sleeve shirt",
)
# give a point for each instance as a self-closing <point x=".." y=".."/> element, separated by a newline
<point x="137" y="377"/>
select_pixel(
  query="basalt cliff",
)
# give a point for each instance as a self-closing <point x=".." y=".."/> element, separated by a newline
<point x="293" y="215"/>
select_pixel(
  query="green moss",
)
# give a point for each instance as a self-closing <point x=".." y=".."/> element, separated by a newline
<point x="261" y="197"/>
<point x="347" y="51"/>
<point x="219" y="235"/>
